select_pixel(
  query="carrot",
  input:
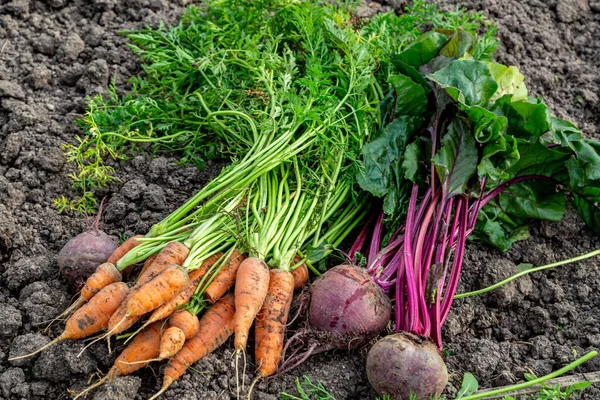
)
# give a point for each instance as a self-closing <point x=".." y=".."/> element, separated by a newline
<point x="216" y="326"/>
<point x="251" y="285"/>
<point x="124" y="248"/>
<point x="92" y="317"/>
<point x="117" y="323"/>
<point x="120" y="322"/>
<point x="186" y="294"/>
<point x="157" y="291"/>
<point x="172" y="253"/>
<point x="143" y="348"/>
<point x="186" y="321"/>
<point x="271" y="321"/>
<point x="171" y="341"/>
<point x="300" y="274"/>
<point x="147" y="263"/>
<point x="183" y="325"/>
<point x="104" y="275"/>
<point x="225" y="278"/>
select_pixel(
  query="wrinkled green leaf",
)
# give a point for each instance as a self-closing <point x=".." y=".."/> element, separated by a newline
<point x="533" y="199"/>
<point x="527" y="120"/>
<point x="411" y="97"/>
<point x="467" y="81"/>
<point x="498" y="229"/>
<point x="488" y="125"/>
<point x="412" y="161"/>
<point x="382" y="161"/>
<point x="456" y="161"/>
<point x="586" y="201"/>
<point x="537" y="159"/>
<point x="498" y="157"/>
<point x="509" y="80"/>
<point x="423" y="50"/>
<point x="411" y="72"/>
<point x="460" y="43"/>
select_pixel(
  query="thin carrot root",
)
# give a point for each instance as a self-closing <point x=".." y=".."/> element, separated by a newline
<point x="251" y="388"/>
<point x="167" y="381"/>
<point x="172" y="253"/>
<point x="93" y="386"/>
<point x="144" y="348"/>
<point x="55" y="340"/>
<point x="186" y="294"/>
<point x="65" y="314"/>
<point x="300" y="274"/>
<point x="142" y="361"/>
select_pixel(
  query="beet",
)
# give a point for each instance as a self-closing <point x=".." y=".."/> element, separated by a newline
<point x="403" y="363"/>
<point x="80" y="257"/>
<point x="346" y="301"/>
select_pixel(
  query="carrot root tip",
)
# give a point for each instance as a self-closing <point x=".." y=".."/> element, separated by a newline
<point x="167" y="381"/>
<point x="44" y="347"/>
<point x="254" y="382"/>
<point x="92" y="387"/>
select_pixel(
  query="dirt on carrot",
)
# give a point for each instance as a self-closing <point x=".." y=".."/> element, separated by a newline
<point x="271" y="322"/>
<point x="251" y="285"/>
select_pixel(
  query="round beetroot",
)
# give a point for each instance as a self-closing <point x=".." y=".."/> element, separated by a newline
<point x="403" y="363"/>
<point x="346" y="301"/>
<point x="80" y="257"/>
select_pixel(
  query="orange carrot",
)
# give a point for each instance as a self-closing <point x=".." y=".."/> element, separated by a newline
<point x="216" y="327"/>
<point x="124" y="248"/>
<point x="171" y="341"/>
<point x="251" y="285"/>
<point x="144" y="346"/>
<point x="157" y="291"/>
<point x="147" y="263"/>
<point x="172" y="253"/>
<point x="300" y="274"/>
<point x="91" y="317"/>
<point x="104" y="275"/>
<point x="186" y="321"/>
<point x="271" y="321"/>
<point x="186" y="294"/>
<point x="225" y="278"/>
<point x="118" y="323"/>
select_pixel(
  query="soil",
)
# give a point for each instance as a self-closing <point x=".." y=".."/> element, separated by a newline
<point x="53" y="53"/>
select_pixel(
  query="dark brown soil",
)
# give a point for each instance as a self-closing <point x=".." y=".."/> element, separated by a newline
<point x="55" y="52"/>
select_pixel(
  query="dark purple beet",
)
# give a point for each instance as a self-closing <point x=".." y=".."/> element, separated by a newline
<point x="346" y="301"/>
<point x="80" y="257"/>
<point x="402" y="363"/>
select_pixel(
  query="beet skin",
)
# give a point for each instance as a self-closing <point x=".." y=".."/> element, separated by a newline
<point x="403" y="363"/>
<point x="346" y="301"/>
<point x="80" y="257"/>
